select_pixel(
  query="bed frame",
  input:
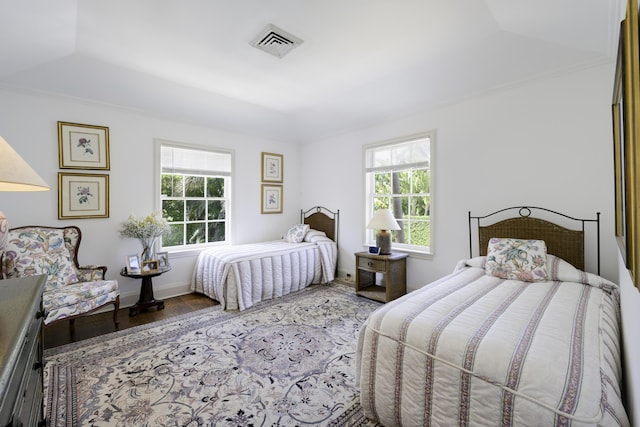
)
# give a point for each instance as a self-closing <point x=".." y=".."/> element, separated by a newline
<point x="566" y="243"/>
<point x="322" y="219"/>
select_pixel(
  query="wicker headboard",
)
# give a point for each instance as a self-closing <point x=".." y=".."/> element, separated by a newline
<point x="563" y="242"/>
<point x="322" y="219"/>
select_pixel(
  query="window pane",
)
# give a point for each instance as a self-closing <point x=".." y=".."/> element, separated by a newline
<point x="381" y="203"/>
<point x="196" y="210"/>
<point x="194" y="186"/>
<point x="175" y="235"/>
<point x="421" y="233"/>
<point x="216" y="232"/>
<point x="173" y="210"/>
<point x="419" y="207"/>
<point x="401" y="154"/>
<point x="171" y="185"/>
<point x="215" y="187"/>
<point x="195" y="233"/>
<point x="381" y="158"/>
<point x="421" y="181"/>
<point x="400" y="207"/>
<point x="216" y="209"/>
<point x="382" y="183"/>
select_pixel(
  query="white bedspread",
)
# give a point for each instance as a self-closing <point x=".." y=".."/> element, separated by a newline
<point x="243" y="275"/>
<point x="472" y="349"/>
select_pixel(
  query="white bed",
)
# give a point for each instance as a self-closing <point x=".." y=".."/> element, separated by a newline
<point x="241" y="276"/>
<point x="476" y="348"/>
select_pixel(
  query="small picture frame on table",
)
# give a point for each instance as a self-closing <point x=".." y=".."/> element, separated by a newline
<point x="149" y="266"/>
<point x="133" y="264"/>
<point x="163" y="259"/>
<point x="374" y="250"/>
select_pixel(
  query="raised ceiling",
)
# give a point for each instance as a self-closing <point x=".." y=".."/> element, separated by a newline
<point x="362" y="61"/>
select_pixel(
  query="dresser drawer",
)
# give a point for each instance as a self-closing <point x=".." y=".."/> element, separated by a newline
<point x="372" y="264"/>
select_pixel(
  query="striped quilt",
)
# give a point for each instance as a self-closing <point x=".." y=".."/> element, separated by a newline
<point x="473" y="349"/>
<point x="240" y="276"/>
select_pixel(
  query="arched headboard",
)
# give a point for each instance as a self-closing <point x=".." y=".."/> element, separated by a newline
<point x="563" y="242"/>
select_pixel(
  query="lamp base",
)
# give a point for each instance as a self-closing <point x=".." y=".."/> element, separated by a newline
<point x="4" y="231"/>
<point x="383" y="241"/>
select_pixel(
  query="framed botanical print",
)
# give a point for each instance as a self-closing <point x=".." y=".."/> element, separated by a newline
<point x="83" y="146"/>
<point x="272" y="167"/>
<point x="271" y="199"/>
<point x="83" y="195"/>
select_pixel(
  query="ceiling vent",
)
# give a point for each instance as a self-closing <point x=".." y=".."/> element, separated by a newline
<point x="276" y="41"/>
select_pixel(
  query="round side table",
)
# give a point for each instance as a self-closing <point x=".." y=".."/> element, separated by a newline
<point x="146" y="299"/>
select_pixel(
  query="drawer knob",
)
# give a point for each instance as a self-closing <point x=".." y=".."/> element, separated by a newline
<point x="370" y="264"/>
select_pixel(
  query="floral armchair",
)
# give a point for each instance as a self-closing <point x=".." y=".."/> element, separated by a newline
<point x="70" y="290"/>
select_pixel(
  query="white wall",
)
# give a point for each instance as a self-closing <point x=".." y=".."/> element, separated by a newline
<point x="29" y="124"/>
<point x="544" y="144"/>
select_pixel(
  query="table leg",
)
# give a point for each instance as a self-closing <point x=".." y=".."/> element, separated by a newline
<point x="146" y="298"/>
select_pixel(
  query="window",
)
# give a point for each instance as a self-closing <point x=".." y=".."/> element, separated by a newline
<point x="398" y="177"/>
<point x="195" y="191"/>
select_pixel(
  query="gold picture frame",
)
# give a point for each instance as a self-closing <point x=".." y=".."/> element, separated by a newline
<point x="272" y="167"/>
<point x="150" y="266"/>
<point x="271" y="199"/>
<point x="626" y="131"/>
<point x="83" y="146"/>
<point x="83" y="195"/>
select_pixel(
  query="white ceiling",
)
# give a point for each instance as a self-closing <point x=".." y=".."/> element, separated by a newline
<point x="362" y="61"/>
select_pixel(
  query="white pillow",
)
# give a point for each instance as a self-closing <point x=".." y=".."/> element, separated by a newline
<point x="516" y="259"/>
<point x="296" y="233"/>
<point x="314" y="236"/>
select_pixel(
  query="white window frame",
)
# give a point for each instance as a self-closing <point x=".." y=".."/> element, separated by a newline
<point x="228" y="199"/>
<point x="368" y="196"/>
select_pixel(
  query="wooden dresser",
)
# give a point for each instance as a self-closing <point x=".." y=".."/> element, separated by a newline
<point x="21" y="363"/>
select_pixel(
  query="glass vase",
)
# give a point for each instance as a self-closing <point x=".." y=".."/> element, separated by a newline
<point x="148" y="249"/>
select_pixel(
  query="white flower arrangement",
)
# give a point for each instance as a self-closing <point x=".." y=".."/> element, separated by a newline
<point x="146" y="229"/>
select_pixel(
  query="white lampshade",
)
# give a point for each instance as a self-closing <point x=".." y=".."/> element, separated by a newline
<point x="15" y="173"/>
<point x="383" y="220"/>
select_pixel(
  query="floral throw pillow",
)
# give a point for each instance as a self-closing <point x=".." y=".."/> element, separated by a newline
<point x="296" y="233"/>
<point x="517" y="259"/>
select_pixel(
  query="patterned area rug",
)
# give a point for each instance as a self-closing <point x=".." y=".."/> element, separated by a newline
<point x="285" y="362"/>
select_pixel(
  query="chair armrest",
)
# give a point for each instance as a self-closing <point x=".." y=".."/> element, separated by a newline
<point x="90" y="273"/>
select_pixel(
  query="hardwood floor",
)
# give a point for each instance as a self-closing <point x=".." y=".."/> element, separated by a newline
<point x="102" y="323"/>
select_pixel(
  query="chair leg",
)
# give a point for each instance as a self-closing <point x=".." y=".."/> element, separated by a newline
<point x="116" y="305"/>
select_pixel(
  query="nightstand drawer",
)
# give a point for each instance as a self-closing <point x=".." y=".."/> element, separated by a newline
<point x="372" y="264"/>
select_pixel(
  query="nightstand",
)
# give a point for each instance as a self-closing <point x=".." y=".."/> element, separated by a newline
<point x="392" y="269"/>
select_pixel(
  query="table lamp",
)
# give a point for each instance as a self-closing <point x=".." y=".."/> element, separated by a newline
<point x="15" y="175"/>
<point x="383" y="221"/>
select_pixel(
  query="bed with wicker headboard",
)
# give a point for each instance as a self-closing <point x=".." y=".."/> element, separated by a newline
<point x="516" y="335"/>
<point x="525" y="222"/>
<point x="240" y="276"/>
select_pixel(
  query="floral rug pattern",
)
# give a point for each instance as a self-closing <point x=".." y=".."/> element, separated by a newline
<point x="285" y="362"/>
